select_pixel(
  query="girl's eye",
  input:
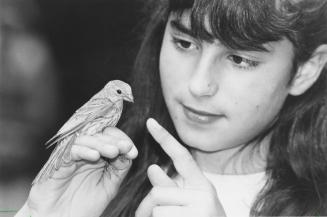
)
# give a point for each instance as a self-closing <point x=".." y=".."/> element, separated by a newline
<point x="184" y="44"/>
<point x="243" y="62"/>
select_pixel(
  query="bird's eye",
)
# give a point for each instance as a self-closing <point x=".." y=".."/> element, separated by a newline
<point x="119" y="91"/>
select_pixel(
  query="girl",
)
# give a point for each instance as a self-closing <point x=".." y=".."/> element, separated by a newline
<point x="241" y="88"/>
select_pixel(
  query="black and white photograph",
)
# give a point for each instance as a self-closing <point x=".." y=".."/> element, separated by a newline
<point x="163" y="108"/>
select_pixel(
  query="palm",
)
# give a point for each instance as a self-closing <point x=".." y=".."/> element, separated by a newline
<point x="81" y="189"/>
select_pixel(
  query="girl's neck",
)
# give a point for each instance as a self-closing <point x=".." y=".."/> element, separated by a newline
<point x="234" y="161"/>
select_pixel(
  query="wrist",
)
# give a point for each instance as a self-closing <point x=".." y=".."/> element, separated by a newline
<point x="24" y="211"/>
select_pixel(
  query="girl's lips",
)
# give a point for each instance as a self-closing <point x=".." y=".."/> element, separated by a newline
<point x="200" y="116"/>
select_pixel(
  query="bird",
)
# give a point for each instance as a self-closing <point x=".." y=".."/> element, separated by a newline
<point x="101" y="111"/>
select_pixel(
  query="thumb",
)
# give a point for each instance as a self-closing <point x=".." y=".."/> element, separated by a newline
<point x="158" y="177"/>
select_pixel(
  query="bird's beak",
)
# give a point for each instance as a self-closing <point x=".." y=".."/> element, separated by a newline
<point x="129" y="98"/>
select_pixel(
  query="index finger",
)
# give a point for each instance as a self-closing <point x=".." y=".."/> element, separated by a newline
<point x="181" y="157"/>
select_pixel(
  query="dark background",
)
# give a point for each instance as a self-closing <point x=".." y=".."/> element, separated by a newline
<point x="92" y="41"/>
<point x="55" y="54"/>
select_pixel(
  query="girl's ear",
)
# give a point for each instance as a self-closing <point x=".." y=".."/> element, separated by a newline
<point x="309" y="72"/>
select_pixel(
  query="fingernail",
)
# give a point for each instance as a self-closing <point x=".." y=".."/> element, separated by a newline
<point x="132" y="153"/>
<point x="153" y="124"/>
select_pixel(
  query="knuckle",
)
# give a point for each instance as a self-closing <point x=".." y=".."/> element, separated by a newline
<point x="75" y="153"/>
<point x="153" y="194"/>
<point x="109" y="150"/>
<point x="183" y="158"/>
<point x="82" y="140"/>
<point x="114" y="132"/>
<point x="112" y="152"/>
<point x="75" y="149"/>
<point x="155" y="212"/>
<point x="108" y="130"/>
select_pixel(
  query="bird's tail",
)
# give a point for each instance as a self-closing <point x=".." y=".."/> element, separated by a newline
<point x="55" y="160"/>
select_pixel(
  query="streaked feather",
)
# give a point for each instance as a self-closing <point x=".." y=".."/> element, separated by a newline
<point x="78" y="121"/>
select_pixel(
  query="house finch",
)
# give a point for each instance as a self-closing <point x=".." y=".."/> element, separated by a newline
<point x="101" y="111"/>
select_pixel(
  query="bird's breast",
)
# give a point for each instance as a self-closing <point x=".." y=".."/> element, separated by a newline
<point x="110" y="119"/>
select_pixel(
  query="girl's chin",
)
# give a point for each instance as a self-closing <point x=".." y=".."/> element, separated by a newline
<point x="196" y="141"/>
<point x="207" y="142"/>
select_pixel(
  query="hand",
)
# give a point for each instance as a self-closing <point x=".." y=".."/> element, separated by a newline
<point x="197" y="197"/>
<point x="85" y="187"/>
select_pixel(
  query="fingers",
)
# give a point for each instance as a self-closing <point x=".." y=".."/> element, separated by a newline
<point x="125" y="141"/>
<point x="84" y="153"/>
<point x="169" y="211"/>
<point x="162" y="196"/>
<point x="109" y="145"/>
<point x="173" y="200"/>
<point x="170" y="198"/>
<point x="181" y="157"/>
<point x="158" y="177"/>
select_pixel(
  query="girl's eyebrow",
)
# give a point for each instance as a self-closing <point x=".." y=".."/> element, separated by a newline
<point x="180" y="27"/>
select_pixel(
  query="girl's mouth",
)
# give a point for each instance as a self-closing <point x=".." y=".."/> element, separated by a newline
<point x="200" y="116"/>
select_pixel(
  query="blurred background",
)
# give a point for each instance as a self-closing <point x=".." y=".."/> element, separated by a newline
<point x="54" y="55"/>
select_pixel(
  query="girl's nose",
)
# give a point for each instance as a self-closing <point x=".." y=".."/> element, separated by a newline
<point x="203" y="82"/>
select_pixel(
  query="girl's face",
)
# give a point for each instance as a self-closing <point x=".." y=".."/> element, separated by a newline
<point x="220" y="98"/>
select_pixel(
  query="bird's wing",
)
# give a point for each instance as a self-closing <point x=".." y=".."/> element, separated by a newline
<point x="87" y="113"/>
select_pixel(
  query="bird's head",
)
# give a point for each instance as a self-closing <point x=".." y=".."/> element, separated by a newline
<point x="118" y="90"/>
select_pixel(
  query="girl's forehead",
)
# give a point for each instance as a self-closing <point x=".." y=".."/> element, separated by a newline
<point x="238" y="24"/>
<point x="201" y="31"/>
<point x="184" y="18"/>
<point x="182" y="23"/>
